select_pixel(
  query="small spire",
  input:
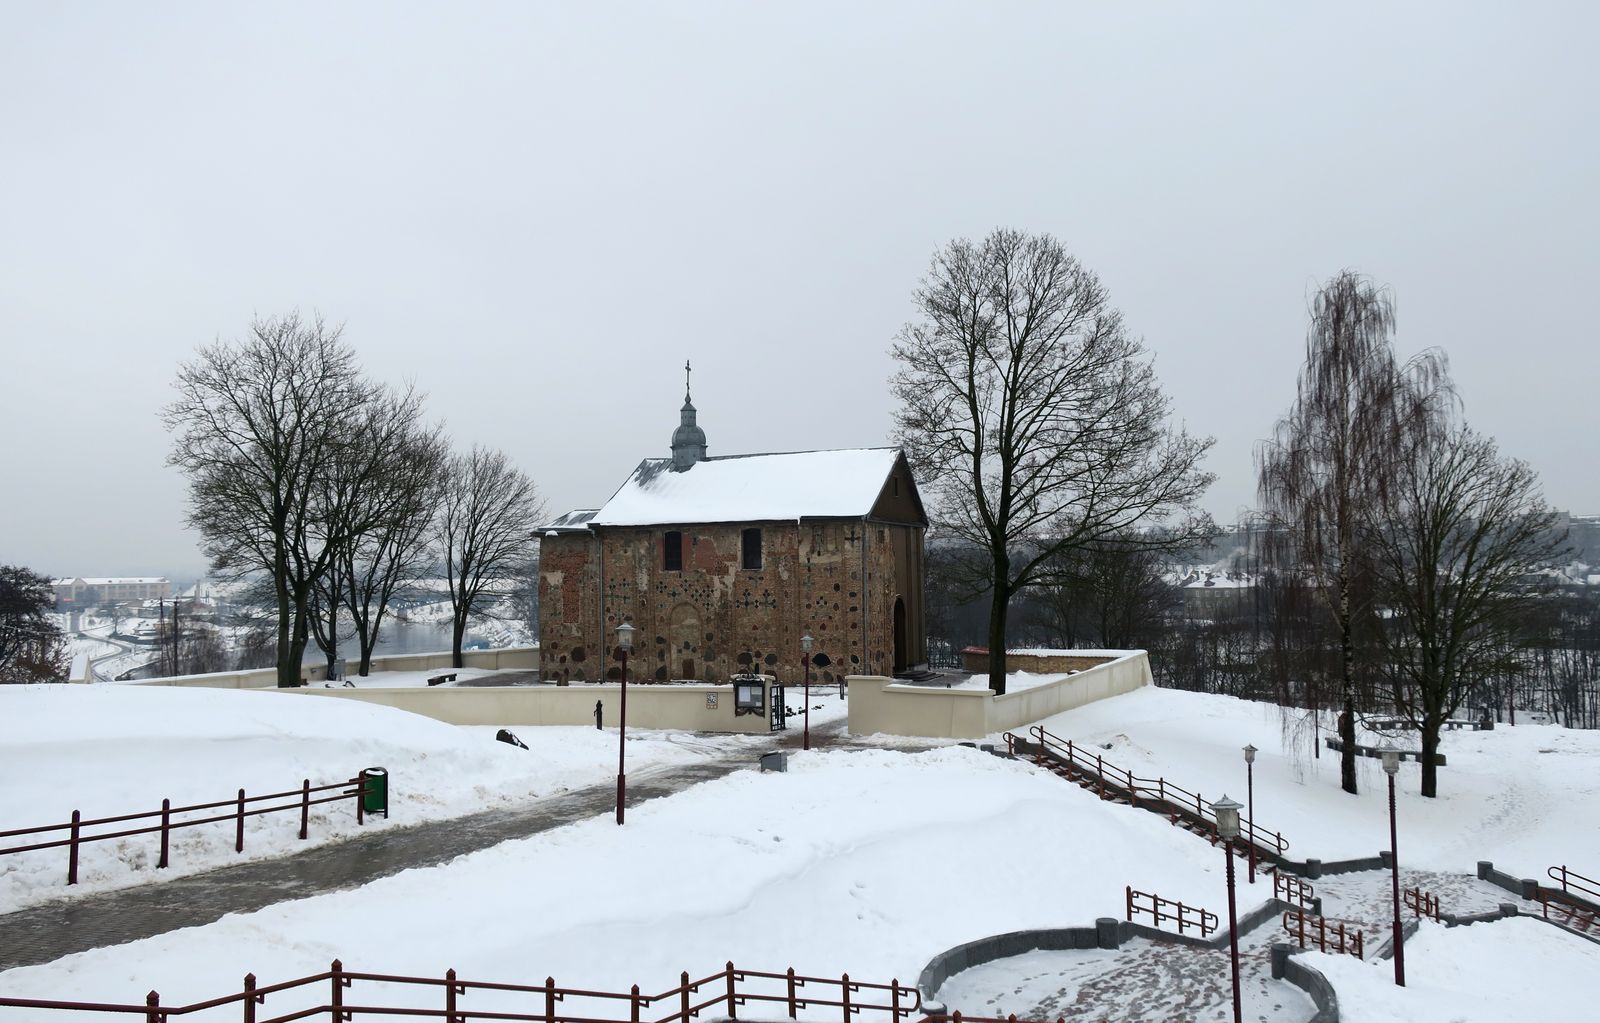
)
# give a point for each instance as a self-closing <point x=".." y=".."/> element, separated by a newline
<point x="686" y="382"/>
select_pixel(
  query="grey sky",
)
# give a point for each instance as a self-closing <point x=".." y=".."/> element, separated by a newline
<point x="537" y="212"/>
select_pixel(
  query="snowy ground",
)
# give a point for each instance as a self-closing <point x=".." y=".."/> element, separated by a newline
<point x="1526" y="797"/>
<point x="1486" y="973"/>
<point x="866" y="861"/>
<point x="111" y="750"/>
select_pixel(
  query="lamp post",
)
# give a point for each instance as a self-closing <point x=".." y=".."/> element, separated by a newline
<point x="1391" y="767"/>
<point x="805" y="659"/>
<point x="624" y="643"/>
<point x="1250" y="798"/>
<point x="1227" y="813"/>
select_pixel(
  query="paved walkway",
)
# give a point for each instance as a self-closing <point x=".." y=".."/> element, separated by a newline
<point x="1148" y="981"/>
<point x="47" y="932"/>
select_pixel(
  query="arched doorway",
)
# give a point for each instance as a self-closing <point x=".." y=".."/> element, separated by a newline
<point x="900" y="641"/>
<point x="683" y="642"/>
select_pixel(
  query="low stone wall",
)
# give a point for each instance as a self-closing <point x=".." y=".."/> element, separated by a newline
<point x="880" y="705"/>
<point x="1107" y="932"/>
<point x="518" y="658"/>
<point x="700" y="708"/>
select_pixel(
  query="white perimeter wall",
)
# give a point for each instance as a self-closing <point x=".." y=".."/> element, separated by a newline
<point x="521" y="658"/>
<point x="880" y="705"/>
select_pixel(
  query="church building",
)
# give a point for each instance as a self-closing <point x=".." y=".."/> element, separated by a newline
<point x="724" y="563"/>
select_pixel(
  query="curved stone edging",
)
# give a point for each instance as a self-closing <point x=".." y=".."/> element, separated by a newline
<point x="1287" y="968"/>
<point x="1107" y="932"/>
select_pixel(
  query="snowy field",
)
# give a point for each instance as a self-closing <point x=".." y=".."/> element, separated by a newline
<point x="110" y="750"/>
<point x="866" y="861"/>
<point x="1526" y="797"/>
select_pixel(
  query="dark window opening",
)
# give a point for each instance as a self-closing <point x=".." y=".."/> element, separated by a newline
<point x="752" y="548"/>
<point x="672" y="552"/>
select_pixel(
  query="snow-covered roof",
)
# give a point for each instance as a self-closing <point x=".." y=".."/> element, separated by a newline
<point x="577" y="519"/>
<point x="752" y="488"/>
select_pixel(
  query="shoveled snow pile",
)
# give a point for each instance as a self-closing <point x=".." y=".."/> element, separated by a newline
<point x="113" y="750"/>
<point x="1511" y="970"/>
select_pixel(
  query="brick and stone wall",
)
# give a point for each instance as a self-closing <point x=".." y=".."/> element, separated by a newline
<point x="837" y="579"/>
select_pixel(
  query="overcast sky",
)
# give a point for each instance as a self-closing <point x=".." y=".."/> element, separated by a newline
<point x="537" y="211"/>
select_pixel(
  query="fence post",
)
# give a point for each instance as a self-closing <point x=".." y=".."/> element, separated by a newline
<point x="449" y="996"/>
<point x="152" y="1012"/>
<point x="633" y="1005"/>
<point x="305" y="807"/>
<point x="238" y="832"/>
<point x="683" y="996"/>
<point x="791" y="994"/>
<point x="166" y="824"/>
<point x="894" y="1000"/>
<point x="729" y="971"/>
<point x="336" y="996"/>
<point x="844" y="986"/>
<point x="360" y="789"/>
<point x="550" y="999"/>
<point x="72" y="850"/>
<point x="249" y="998"/>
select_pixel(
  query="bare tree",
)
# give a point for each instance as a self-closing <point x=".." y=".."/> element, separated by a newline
<point x="1034" y="417"/>
<point x="487" y="517"/>
<point x="1337" y="451"/>
<point x="1108" y="593"/>
<point x="258" y="426"/>
<point x="1450" y="553"/>
<point x="398" y="547"/>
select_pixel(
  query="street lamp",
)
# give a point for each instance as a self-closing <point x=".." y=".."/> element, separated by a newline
<point x="805" y="659"/>
<point x="1227" y="813"/>
<point x="1391" y="767"/>
<point x="624" y="643"/>
<point x="1250" y="797"/>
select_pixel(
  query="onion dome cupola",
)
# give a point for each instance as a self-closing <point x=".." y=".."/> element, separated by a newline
<point x="688" y="440"/>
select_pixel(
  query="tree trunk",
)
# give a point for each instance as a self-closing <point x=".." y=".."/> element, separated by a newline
<point x="1347" y="720"/>
<point x="458" y="631"/>
<point x="288" y="657"/>
<point x="1430" y="746"/>
<point x="333" y="634"/>
<point x="997" y="638"/>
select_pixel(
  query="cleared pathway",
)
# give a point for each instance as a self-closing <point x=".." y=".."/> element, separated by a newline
<point x="47" y="932"/>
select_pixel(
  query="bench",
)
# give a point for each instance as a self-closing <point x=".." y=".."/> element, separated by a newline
<point x="441" y="679"/>
<point x="1389" y="724"/>
<point x="1337" y="745"/>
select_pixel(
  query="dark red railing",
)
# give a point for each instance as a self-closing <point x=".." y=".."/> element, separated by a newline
<point x="296" y="799"/>
<point x="723" y="993"/>
<point x="1292" y="889"/>
<point x="1160" y="909"/>
<point x="1310" y="930"/>
<point x="1110" y="782"/>
<point x="1422" y="903"/>
<point x="1573" y="882"/>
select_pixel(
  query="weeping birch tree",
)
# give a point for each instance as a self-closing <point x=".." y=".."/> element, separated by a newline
<point x="1358" y="416"/>
<point x="1036" y="419"/>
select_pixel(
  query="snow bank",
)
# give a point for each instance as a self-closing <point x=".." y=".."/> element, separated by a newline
<point x="1487" y="973"/>
<point x="1526" y="797"/>
<point x="111" y="750"/>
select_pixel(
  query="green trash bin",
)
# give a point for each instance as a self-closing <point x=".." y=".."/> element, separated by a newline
<point x="375" y="791"/>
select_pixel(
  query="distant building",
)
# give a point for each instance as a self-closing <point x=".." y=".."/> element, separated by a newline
<point x="81" y="592"/>
<point x="723" y="563"/>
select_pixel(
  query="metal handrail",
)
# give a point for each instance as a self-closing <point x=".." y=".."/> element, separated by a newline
<point x="1148" y="790"/>
<point x="1337" y="939"/>
<point x="1185" y="917"/>
<point x="353" y="788"/>
<point x="1421" y="903"/>
<point x="725" y="991"/>
<point x="1571" y="879"/>
<point x="1292" y="889"/>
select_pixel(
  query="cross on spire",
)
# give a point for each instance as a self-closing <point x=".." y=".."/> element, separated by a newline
<point x="686" y="381"/>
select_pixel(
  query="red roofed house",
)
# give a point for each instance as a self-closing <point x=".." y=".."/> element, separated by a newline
<point x="724" y="563"/>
